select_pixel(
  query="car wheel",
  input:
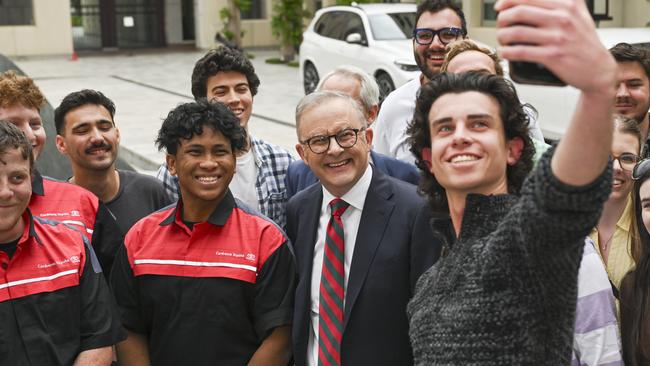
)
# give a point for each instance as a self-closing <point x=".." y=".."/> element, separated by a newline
<point x="309" y="77"/>
<point x="385" y="84"/>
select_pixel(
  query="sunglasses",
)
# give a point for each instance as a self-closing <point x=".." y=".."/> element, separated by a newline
<point x="641" y="169"/>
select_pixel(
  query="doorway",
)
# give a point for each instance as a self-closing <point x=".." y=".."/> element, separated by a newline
<point x="106" y="24"/>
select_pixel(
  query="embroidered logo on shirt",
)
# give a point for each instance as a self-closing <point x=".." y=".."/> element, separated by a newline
<point x="229" y="254"/>
<point x="73" y="259"/>
<point x="248" y="256"/>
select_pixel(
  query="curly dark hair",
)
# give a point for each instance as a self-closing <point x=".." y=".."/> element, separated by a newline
<point x="78" y="99"/>
<point x="189" y="119"/>
<point x="12" y="137"/>
<point x="625" y="52"/>
<point x="515" y="122"/>
<point x="434" y="6"/>
<point x="218" y="60"/>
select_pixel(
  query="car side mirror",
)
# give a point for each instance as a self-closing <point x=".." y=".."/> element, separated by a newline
<point x="355" y="38"/>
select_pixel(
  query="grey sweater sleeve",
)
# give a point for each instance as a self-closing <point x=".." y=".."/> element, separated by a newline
<point x="552" y="213"/>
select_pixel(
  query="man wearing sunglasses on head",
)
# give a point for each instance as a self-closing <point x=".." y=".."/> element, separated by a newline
<point x="437" y="23"/>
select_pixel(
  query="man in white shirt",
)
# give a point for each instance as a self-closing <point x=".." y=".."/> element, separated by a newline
<point x="437" y="23"/>
<point x="361" y="240"/>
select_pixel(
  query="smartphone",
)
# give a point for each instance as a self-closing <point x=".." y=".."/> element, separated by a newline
<point x="533" y="73"/>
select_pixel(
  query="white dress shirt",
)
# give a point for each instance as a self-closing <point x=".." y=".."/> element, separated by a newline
<point x="242" y="185"/>
<point x="351" y="218"/>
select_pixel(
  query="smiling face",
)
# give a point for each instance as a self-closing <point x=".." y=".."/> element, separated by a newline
<point x="15" y="191"/>
<point x="338" y="169"/>
<point x="469" y="152"/>
<point x="471" y="61"/>
<point x="204" y="165"/>
<point x="231" y="88"/>
<point x="622" y="143"/>
<point x="90" y="138"/>
<point x="29" y="121"/>
<point x="430" y="57"/>
<point x="633" y="93"/>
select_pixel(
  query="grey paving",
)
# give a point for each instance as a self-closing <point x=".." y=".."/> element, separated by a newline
<point x="146" y="85"/>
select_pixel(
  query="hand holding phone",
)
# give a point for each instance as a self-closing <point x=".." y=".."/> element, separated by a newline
<point x="558" y="34"/>
<point x="533" y="73"/>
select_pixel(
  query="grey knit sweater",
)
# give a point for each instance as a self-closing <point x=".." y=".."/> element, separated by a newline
<point x="505" y="293"/>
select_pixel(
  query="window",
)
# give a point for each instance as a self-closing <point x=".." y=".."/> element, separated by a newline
<point x="16" y="12"/>
<point x="330" y="25"/>
<point x="488" y="15"/>
<point x="339" y="24"/>
<point x="353" y="24"/>
<point x="256" y="10"/>
<point x="392" y="26"/>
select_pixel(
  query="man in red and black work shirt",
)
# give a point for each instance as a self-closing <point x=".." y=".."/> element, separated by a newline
<point x="55" y="306"/>
<point x="207" y="281"/>
<point x="20" y="102"/>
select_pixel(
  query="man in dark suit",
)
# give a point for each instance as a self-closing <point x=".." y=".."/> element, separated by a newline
<point x="361" y="241"/>
<point x="361" y="87"/>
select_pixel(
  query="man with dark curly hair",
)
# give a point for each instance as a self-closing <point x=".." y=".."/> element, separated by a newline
<point x="225" y="75"/>
<point x="505" y="290"/>
<point x="207" y="281"/>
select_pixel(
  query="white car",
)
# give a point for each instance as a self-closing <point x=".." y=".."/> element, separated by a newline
<point x="555" y="105"/>
<point x="373" y="37"/>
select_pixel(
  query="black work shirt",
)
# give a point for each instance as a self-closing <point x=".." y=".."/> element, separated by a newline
<point x="9" y="248"/>
<point x="208" y="295"/>
<point x="138" y="196"/>
<point x="54" y="301"/>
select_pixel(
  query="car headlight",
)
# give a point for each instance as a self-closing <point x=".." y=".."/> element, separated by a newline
<point x="406" y="65"/>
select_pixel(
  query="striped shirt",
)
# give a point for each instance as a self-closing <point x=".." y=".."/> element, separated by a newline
<point x="596" y="338"/>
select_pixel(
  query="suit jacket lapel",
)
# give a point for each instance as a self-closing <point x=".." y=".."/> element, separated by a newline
<point x="374" y="220"/>
<point x="308" y="216"/>
<point x="378" y="161"/>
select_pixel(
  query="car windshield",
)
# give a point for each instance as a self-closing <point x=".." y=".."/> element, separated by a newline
<point x="393" y="26"/>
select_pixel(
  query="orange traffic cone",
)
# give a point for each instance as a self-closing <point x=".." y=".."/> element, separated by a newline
<point x="74" y="56"/>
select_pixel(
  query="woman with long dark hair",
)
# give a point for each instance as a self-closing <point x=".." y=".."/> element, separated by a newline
<point x="635" y="287"/>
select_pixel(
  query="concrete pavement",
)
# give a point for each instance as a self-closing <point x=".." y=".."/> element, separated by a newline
<point x="146" y="85"/>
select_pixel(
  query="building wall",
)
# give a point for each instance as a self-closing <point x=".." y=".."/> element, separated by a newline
<point x="616" y="13"/>
<point x="625" y="13"/>
<point x="51" y="33"/>
<point x="173" y="21"/>
<point x="636" y="13"/>
<point x="257" y="32"/>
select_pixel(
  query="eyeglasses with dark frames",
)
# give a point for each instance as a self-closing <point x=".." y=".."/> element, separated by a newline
<point x="641" y="169"/>
<point x="425" y="36"/>
<point x="345" y="138"/>
<point x="626" y="160"/>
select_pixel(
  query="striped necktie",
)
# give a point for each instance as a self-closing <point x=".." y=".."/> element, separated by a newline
<point x="332" y="293"/>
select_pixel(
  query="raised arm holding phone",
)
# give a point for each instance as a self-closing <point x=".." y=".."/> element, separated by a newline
<point x="505" y="290"/>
